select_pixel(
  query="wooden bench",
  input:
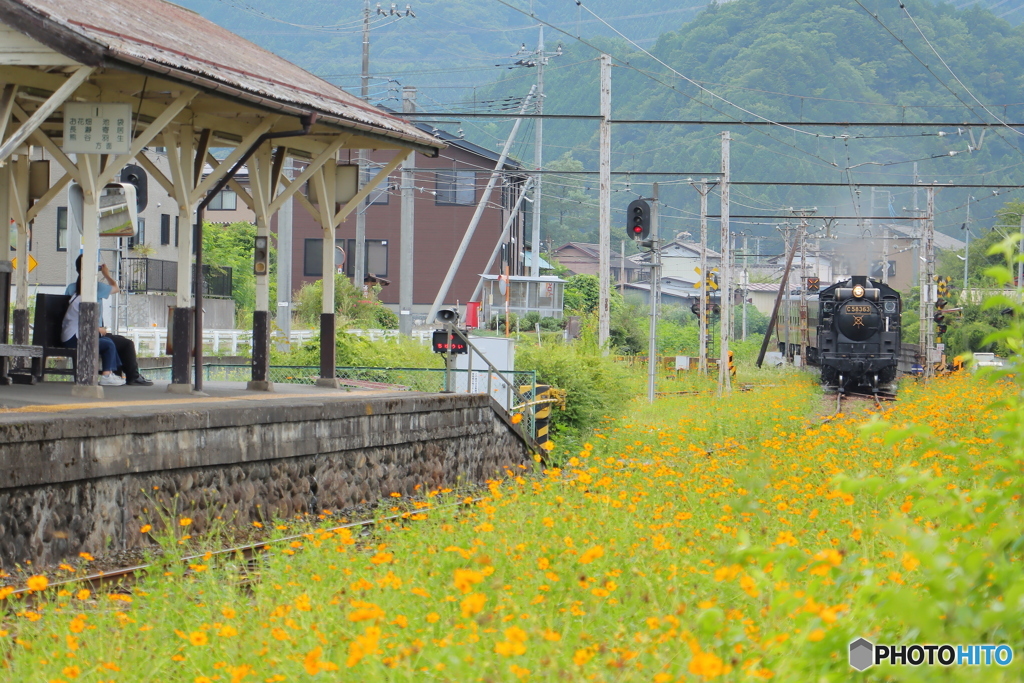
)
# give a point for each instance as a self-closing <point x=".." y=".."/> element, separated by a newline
<point x="50" y="310"/>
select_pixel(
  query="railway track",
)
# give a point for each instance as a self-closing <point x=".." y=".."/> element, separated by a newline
<point x="124" y="576"/>
<point x="878" y="398"/>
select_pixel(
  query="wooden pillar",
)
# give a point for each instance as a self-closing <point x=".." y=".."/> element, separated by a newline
<point x="19" y="202"/>
<point x="180" y="144"/>
<point x="5" y="250"/>
<point x="262" y="194"/>
<point x="325" y="187"/>
<point x="87" y="365"/>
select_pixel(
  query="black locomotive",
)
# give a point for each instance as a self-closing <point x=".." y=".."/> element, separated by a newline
<point x="859" y="334"/>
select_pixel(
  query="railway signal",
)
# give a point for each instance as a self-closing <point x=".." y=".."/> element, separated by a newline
<point x="813" y="284"/>
<point x="261" y="255"/>
<point x="638" y="219"/>
<point x="940" y="316"/>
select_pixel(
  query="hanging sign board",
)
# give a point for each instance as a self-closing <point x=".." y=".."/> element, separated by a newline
<point x="97" y="128"/>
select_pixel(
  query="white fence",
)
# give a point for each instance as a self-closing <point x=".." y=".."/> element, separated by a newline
<point x="152" y="341"/>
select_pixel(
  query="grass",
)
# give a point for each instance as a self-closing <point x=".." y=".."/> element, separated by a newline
<point x="737" y="538"/>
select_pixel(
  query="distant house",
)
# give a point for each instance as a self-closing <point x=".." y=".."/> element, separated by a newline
<point x="447" y="190"/>
<point x="583" y="258"/>
<point x="680" y="259"/>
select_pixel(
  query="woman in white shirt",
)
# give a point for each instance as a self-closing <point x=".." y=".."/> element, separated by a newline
<point x="69" y="338"/>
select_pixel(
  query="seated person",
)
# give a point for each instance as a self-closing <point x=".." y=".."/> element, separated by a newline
<point x="69" y="338"/>
<point x="129" y="364"/>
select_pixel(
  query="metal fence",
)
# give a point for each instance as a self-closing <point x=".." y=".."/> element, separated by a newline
<point x="141" y="275"/>
<point x="517" y="396"/>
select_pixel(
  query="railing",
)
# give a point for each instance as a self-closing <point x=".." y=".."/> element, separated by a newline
<point x="151" y="341"/>
<point x="142" y="275"/>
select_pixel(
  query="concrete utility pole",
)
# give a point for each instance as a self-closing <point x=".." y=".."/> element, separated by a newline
<point x="804" y="338"/>
<point x="1020" y="250"/>
<point x="538" y="159"/>
<point x="724" y="376"/>
<point x="967" y="246"/>
<point x="926" y="335"/>
<point x="746" y="286"/>
<point x="652" y="342"/>
<point x="359" y="255"/>
<point x="406" y="261"/>
<point x="475" y="220"/>
<point x="702" y="362"/>
<point x="885" y="257"/>
<point x="605" y="203"/>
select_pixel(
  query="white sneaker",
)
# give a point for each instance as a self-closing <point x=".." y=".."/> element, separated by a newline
<point x="111" y="380"/>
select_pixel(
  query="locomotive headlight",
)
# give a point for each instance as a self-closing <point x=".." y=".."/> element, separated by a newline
<point x="858" y="291"/>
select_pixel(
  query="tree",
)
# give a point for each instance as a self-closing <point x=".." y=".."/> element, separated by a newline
<point x="231" y="246"/>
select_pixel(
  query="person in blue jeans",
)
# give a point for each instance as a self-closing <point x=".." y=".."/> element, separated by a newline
<point x="109" y="361"/>
<point x="126" y="355"/>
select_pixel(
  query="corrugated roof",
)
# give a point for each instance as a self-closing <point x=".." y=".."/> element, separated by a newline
<point x="178" y="44"/>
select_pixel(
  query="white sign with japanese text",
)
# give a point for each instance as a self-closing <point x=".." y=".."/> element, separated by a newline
<point x="97" y="128"/>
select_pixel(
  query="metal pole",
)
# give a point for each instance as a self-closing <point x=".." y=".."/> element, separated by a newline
<point x="406" y="261"/>
<point x="724" y="377"/>
<point x="702" y="365"/>
<point x="804" y="341"/>
<point x="475" y="220"/>
<point x="929" y="270"/>
<point x="359" y="264"/>
<point x="1020" y="264"/>
<point x="885" y="257"/>
<point x="652" y="342"/>
<point x="501" y="239"/>
<point x="605" y="204"/>
<point x="538" y="159"/>
<point x="967" y="247"/>
<point x="746" y="285"/>
<point x="778" y="303"/>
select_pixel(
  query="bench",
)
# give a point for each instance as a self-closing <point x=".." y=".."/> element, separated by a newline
<point x="50" y="310"/>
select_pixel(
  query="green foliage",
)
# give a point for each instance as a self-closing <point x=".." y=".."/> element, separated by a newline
<point x="232" y="246"/>
<point x="351" y="306"/>
<point x="353" y="350"/>
<point x="597" y="386"/>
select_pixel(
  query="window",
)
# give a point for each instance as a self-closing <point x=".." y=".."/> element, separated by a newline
<point x="313" y="256"/>
<point x="381" y="193"/>
<point x="62" y="228"/>
<point x="140" y="236"/>
<point x="376" y="261"/>
<point x="226" y="200"/>
<point x="165" y="229"/>
<point x="456" y="187"/>
<point x="176" y="221"/>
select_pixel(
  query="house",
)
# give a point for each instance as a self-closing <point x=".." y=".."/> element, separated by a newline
<point x="582" y="258"/>
<point x="447" y="190"/>
<point x="680" y="259"/>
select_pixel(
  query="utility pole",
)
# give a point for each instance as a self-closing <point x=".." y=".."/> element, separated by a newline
<point x="652" y="342"/>
<point x="407" y="234"/>
<point x="804" y="339"/>
<point x="746" y="286"/>
<point x="1020" y="252"/>
<point x="477" y="214"/>
<point x="605" y="203"/>
<point x="724" y="377"/>
<point x="703" y="189"/>
<point x="885" y="257"/>
<point x="538" y="159"/>
<point x="927" y="333"/>
<point x="967" y="236"/>
<point x="359" y="255"/>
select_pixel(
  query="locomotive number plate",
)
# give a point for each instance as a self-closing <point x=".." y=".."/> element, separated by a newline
<point x="852" y="308"/>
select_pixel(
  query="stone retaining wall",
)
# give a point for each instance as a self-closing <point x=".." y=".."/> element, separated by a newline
<point x="75" y="484"/>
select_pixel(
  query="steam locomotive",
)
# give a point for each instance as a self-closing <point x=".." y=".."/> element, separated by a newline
<point x="853" y="334"/>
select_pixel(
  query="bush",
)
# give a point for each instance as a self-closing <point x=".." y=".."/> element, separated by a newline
<point x="498" y="322"/>
<point x="385" y="318"/>
<point x="596" y="386"/>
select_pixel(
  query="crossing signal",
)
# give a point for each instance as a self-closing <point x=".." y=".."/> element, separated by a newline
<point x="638" y="219"/>
<point x="813" y="284"/>
<point x="942" y="285"/>
<point x="261" y="256"/>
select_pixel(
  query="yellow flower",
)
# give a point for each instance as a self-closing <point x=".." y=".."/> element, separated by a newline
<point x="86" y="556"/>
<point x="707" y="665"/>
<point x="815" y="635"/>
<point x="184" y="521"/>
<point x="37" y="583"/>
<point x="748" y="586"/>
<point x="83" y="594"/>
<point x="591" y="554"/>
<point x="582" y="656"/>
<point x="910" y="563"/>
<point x="198" y="638"/>
<point x="466" y="578"/>
<point x="472" y="604"/>
<point x="433" y="617"/>
<point x="227" y="631"/>
<point x="553" y="636"/>
<point x="146" y="528"/>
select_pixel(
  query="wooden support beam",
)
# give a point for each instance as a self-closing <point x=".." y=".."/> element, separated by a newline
<point x="45" y="109"/>
<point x="233" y="184"/>
<point x="49" y="145"/>
<point x="155" y="172"/>
<point x="48" y="197"/>
<point x="207" y="183"/>
<point x="371" y="185"/>
<point x="144" y="138"/>
<point x="6" y="106"/>
<point x="201" y="149"/>
<point x="315" y="165"/>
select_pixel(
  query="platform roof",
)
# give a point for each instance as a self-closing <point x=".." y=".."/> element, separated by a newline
<point x="158" y="38"/>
